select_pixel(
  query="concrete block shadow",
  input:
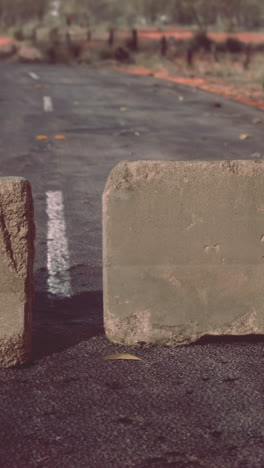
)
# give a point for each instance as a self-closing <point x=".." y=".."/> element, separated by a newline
<point x="229" y="339"/>
<point x="60" y="323"/>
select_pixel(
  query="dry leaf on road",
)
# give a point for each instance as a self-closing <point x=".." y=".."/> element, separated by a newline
<point x="244" y="136"/>
<point x="59" y="137"/>
<point x="256" y="121"/>
<point x="122" y="356"/>
<point x="41" y="137"/>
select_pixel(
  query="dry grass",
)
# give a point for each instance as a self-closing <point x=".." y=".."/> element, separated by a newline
<point x="227" y="76"/>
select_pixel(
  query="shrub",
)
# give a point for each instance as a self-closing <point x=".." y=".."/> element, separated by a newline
<point x="58" y="54"/>
<point x="201" y="41"/>
<point x="107" y="53"/>
<point x="234" y="45"/>
<point x="221" y="46"/>
<point x="259" y="47"/>
<point x="18" y="34"/>
<point x="123" y="55"/>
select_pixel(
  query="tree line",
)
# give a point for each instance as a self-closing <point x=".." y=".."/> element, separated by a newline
<point x="14" y="12"/>
<point x="227" y="15"/>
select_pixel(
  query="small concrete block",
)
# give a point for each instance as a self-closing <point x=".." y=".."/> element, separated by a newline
<point x="16" y="270"/>
<point x="183" y="250"/>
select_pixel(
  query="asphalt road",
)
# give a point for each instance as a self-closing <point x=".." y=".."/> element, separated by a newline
<point x="193" y="406"/>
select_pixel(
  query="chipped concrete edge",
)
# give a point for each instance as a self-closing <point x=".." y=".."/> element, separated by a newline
<point x="13" y="250"/>
<point x="138" y="330"/>
<point x="17" y="245"/>
<point x="126" y="174"/>
<point x="15" y="351"/>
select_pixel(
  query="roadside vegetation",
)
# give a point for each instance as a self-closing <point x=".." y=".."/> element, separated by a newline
<point x="140" y="34"/>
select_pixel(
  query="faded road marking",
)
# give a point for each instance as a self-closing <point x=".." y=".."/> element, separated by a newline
<point x="58" y="259"/>
<point x="47" y="104"/>
<point x="34" y="76"/>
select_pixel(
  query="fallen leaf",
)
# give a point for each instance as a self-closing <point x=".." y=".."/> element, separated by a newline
<point x="76" y="103"/>
<point x="122" y="356"/>
<point x="181" y="98"/>
<point x="136" y="133"/>
<point x="244" y="136"/>
<point x="41" y="137"/>
<point x="123" y="109"/>
<point x="256" y="121"/>
<point x="59" y="137"/>
<point x="39" y="85"/>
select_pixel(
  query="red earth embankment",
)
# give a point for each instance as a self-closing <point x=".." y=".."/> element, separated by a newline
<point x="5" y="40"/>
<point x="212" y="85"/>
<point x="252" y="37"/>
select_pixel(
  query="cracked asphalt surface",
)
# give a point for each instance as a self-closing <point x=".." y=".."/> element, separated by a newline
<point x="192" y="406"/>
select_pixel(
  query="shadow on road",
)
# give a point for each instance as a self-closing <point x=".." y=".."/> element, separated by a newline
<point x="59" y="324"/>
<point x="229" y="339"/>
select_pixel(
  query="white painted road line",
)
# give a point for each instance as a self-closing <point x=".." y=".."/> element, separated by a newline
<point x="58" y="259"/>
<point x="47" y="104"/>
<point x="34" y="76"/>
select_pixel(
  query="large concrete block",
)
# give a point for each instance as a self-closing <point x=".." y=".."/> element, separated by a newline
<point x="183" y="250"/>
<point x="16" y="270"/>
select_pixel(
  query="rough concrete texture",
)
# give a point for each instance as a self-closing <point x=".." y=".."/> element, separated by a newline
<point x="183" y="250"/>
<point x="16" y="270"/>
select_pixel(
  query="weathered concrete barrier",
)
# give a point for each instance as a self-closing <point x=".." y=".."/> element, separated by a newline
<point x="16" y="270"/>
<point x="183" y="250"/>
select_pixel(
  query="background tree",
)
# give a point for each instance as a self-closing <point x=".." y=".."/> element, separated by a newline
<point x="227" y="14"/>
<point x="21" y="11"/>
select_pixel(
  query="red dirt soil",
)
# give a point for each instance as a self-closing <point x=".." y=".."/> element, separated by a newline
<point x="181" y="34"/>
<point x="5" y="40"/>
<point x="251" y="37"/>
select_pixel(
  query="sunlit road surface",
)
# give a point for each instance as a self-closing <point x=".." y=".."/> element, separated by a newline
<point x="196" y="406"/>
